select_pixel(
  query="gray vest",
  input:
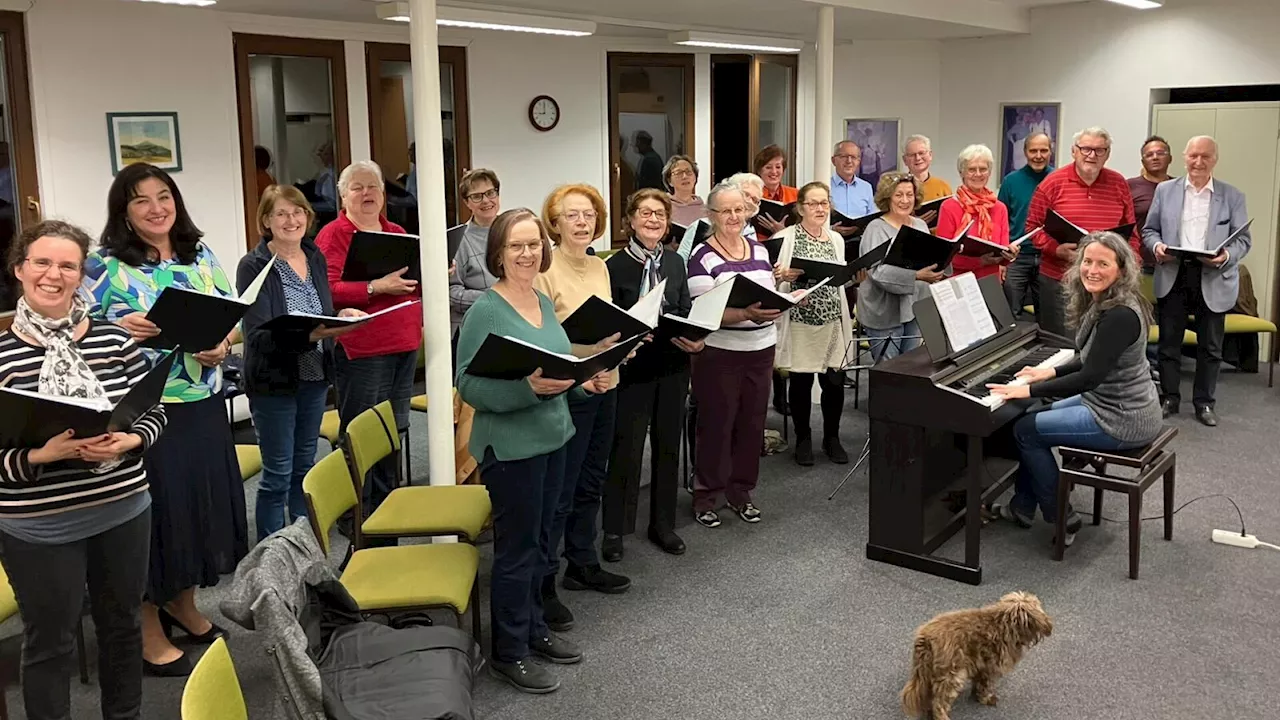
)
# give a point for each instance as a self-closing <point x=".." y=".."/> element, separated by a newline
<point x="1125" y="403"/>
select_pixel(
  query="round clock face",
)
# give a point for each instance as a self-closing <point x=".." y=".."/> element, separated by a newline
<point x="544" y="112"/>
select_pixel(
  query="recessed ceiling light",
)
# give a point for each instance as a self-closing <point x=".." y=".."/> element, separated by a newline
<point x="487" y="20"/>
<point x="735" y="42"/>
<point x="1140" y="4"/>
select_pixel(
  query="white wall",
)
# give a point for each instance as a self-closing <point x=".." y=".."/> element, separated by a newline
<point x="1102" y="62"/>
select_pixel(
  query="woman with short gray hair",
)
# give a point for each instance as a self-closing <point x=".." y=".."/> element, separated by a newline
<point x="1111" y="403"/>
<point x="377" y="361"/>
<point x="975" y="203"/>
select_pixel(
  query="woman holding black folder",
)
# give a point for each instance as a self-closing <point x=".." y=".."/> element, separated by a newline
<point x="814" y="338"/>
<point x="885" y="300"/>
<point x="975" y="203"/>
<point x="198" y="522"/>
<point x="75" y="511"/>
<point x="519" y="437"/>
<point x="653" y="385"/>
<point x="286" y="372"/>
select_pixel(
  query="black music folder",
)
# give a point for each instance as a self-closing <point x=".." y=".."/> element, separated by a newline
<point x="703" y="319"/>
<point x="28" y="419"/>
<point x="676" y="233"/>
<point x="506" y="358"/>
<point x="1211" y="252"/>
<point x="197" y="321"/>
<point x="932" y="206"/>
<point x="859" y="224"/>
<point x="1066" y="232"/>
<point x="453" y="239"/>
<point x="373" y="255"/>
<point x="597" y="319"/>
<point x="865" y="261"/>
<point x="836" y="273"/>
<point x="778" y="212"/>
<point x="977" y="247"/>
<point x="916" y="250"/>
<point x="747" y="292"/>
<point x="306" y="322"/>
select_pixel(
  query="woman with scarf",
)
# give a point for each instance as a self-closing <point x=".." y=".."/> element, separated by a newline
<point x="974" y="202"/>
<point x="74" y="511"/>
<point x="653" y="385"/>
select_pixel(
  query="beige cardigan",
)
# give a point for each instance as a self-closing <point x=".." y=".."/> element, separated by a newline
<point x="782" y="356"/>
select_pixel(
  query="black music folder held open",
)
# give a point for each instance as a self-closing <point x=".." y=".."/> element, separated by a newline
<point x="453" y="239"/>
<point x="1066" y="232"/>
<point x="1210" y="252"/>
<point x="916" y="250"/>
<point x="676" y="233"/>
<point x="747" y="292"/>
<point x="597" y="319"/>
<point x="197" y="321"/>
<point x="28" y="419"/>
<point x="778" y="212"/>
<point x="506" y="358"/>
<point x="859" y="223"/>
<point x="306" y="322"/>
<point x="934" y="206"/>
<point x="373" y="255"/>
<point x="835" y="273"/>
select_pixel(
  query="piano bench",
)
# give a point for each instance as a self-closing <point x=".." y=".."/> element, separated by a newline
<point x="1090" y="467"/>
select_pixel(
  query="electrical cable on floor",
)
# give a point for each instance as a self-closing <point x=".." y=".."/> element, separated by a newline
<point x="1179" y="509"/>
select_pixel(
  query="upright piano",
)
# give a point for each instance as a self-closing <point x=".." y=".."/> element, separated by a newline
<point x="935" y="440"/>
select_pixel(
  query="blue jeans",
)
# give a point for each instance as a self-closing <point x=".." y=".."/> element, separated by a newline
<point x="888" y="343"/>
<point x="585" y="466"/>
<point x="525" y="495"/>
<point x="1066" y="422"/>
<point x="363" y="383"/>
<point x="288" y="428"/>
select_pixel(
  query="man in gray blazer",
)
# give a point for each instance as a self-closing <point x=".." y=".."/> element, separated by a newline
<point x="1200" y="213"/>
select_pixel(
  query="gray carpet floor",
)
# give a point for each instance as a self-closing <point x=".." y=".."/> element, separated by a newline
<point x="787" y="619"/>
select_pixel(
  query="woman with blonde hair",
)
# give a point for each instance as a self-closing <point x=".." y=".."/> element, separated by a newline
<point x="814" y="337"/>
<point x="575" y="216"/>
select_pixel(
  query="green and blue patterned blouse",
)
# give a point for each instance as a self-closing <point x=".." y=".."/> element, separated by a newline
<point x="116" y="289"/>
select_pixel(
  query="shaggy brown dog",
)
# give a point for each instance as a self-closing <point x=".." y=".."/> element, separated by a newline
<point x="971" y="645"/>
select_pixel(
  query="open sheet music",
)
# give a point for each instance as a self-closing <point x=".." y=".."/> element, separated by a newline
<point x="963" y="310"/>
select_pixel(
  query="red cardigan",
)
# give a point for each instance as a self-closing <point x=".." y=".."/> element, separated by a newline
<point x="951" y="219"/>
<point x="396" y="332"/>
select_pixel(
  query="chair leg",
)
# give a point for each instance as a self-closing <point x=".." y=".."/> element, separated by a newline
<point x="1060" y="522"/>
<point x="1097" y="506"/>
<point x="1168" y="502"/>
<point x="408" y="465"/>
<point x="1135" y="532"/>
<point x="82" y="658"/>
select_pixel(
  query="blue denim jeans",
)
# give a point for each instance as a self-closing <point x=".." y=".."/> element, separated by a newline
<point x="1066" y="422"/>
<point x="288" y="427"/>
<point x="888" y="343"/>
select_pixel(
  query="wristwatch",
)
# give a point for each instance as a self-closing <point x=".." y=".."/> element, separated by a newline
<point x="369" y="288"/>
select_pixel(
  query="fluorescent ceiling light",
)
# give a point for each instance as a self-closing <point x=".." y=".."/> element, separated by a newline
<point x="194" y="3"/>
<point x="1140" y="4"/>
<point x="488" y="20"/>
<point x="735" y="42"/>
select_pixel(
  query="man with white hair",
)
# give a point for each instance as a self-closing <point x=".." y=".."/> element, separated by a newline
<point x="1198" y="213"/>
<point x="1088" y="194"/>
<point x="917" y="155"/>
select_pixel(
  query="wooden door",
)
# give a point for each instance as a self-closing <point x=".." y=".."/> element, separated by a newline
<point x="19" y="183"/>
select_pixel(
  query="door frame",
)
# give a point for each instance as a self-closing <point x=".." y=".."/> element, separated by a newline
<point x="377" y="53"/>
<point x="788" y="60"/>
<point x="244" y="45"/>
<point x="22" y="144"/>
<point x="615" y="61"/>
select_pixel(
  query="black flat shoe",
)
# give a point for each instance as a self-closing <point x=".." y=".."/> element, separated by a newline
<point x="611" y="548"/>
<point x="178" y="668"/>
<point x="1168" y="407"/>
<point x="169" y="622"/>
<point x="1206" y="416"/>
<point x="668" y="541"/>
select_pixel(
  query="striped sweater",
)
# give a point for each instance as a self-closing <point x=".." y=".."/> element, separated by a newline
<point x="28" y="490"/>
<point x="1103" y="205"/>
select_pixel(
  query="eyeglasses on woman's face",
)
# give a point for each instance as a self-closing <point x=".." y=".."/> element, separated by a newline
<point x="286" y="215"/>
<point x="647" y="213"/>
<point x="44" y="265"/>
<point x="476" y="197"/>
<point x="731" y="211"/>
<point x="574" y="216"/>
<point x="817" y="204"/>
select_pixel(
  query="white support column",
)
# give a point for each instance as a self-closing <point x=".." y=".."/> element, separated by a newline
<point x="824" y="88"/>
<point x="429" y="134"/>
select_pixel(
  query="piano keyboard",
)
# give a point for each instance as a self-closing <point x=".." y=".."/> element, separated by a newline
<point x="975" y="387"/>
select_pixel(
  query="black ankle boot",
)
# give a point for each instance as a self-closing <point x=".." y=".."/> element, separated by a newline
<point x="554" y="612"/>
<point x="834" y="450"/>
<point x="804" y="449"/>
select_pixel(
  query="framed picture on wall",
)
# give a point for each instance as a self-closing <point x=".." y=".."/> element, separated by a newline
<point x="878" y="139"/>
<point x="150" y="137"/>
<point x="1017" y="121"/>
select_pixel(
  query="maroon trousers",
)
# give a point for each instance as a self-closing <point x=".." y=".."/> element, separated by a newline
<point x="732" y="389"/>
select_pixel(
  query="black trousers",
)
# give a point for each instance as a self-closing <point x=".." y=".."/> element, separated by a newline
<point x="656" y="407"/>
<point x="1022" y="284"/>
<point x="48" y="582"/>
<point x="799" y="392"/>
<point x="1051" y="313"/>
<point x="1186" y="299"/>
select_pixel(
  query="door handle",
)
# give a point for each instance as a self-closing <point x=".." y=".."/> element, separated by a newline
<point x="33" y="205"/>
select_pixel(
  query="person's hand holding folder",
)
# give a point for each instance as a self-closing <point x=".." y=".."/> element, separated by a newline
<point x="324" y="333"/>
<point x="213" y="357"/>
<point x="109" y="447"/>
<point x="752" y="312"/>
<point x="547" y="387"/>
<point x="693" y="347"/>
<point x="63" y="446"/>
<point x="790" y="275"/>
<point x="394" y="284"/>
<point x="599" y="384"/>
<point x="139" y="326"/>
<point x="1216" y="261"/>
<point x="930" y="274"/>
<point x="1066" y="252"/>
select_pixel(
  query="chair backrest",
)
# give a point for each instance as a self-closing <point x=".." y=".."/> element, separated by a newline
<point x="330" y="493"/>
<point x="371" y="436"/>
<point x="8" y="603"/>
<point x="213" y="690"/>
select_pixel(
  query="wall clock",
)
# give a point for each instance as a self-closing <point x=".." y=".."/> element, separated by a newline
<point x="544" y="113"/>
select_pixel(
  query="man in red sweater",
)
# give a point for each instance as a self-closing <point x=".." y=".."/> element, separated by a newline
<point x="1087" y="194"/>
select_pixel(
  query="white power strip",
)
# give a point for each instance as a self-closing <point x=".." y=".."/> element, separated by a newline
<point x="1249" y="542"/>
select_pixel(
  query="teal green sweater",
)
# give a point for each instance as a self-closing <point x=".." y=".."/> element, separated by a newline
<point x="510" y="418"/>
<point x="1015" y="192"/>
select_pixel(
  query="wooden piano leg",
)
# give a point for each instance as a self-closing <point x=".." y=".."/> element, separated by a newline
<point x="973" y="506"/>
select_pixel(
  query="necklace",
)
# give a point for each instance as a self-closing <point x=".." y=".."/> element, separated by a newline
<point x="724" y="250"/>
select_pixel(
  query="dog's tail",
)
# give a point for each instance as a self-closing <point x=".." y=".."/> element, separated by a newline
<point x="915" y="696"/>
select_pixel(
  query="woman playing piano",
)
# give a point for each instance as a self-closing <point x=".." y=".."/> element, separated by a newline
<point x="1111" y="403"/>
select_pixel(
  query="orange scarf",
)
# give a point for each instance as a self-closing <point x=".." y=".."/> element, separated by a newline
<point x="977" y="207"/>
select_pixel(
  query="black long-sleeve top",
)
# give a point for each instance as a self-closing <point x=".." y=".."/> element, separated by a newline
<point x="659" y="358"/>
<point x="1116" y="329"/>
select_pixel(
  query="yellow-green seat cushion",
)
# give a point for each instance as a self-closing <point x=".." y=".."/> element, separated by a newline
<point x="426" y="510"/>
<point x="605" y="254"/>
<point x="329" y="427"/>
<point x="412" y="576"/>
<point x="418" y="402"/>
<point x="1153" y="335"/>
<point x="250" y="458"/>
<point x="1029" y="309"/>
<point x="1248" y="324"/>
<point x="8" y="603"/>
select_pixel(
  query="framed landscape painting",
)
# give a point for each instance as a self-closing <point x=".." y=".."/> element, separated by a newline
<point x="144" y="137"/>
